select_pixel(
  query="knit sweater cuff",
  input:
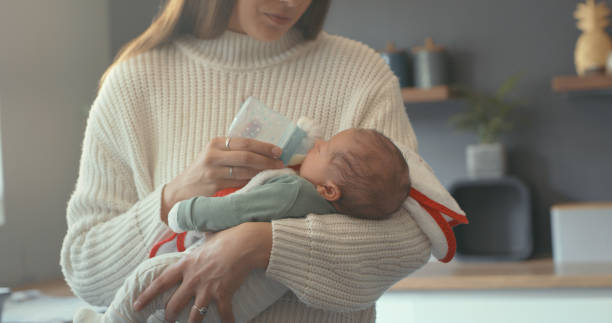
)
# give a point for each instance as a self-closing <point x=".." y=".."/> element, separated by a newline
<point x="340" y="264"/>
<point x="289" y="239"/>
<point x="148" y="216"/>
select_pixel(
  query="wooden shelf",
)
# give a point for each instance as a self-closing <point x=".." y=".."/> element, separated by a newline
<point x="436" y="93"/>
<point x="532" y="274"/>
<point x="574" y="83"/>
<point x="592" y="205"/>
<point x="57" y="287"/>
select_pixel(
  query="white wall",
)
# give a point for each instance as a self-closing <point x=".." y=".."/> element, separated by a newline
<point x="51" y="56"/>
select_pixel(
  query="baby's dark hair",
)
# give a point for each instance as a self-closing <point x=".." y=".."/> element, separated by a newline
<point x="374" y="181"/>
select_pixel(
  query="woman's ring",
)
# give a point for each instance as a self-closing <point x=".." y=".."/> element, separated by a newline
<point x="231" y="171"/>
<point x="202" y="310"/>
<point x="227" y="143"/>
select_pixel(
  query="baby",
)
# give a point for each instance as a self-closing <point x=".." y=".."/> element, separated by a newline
<point x="358" y="172"/>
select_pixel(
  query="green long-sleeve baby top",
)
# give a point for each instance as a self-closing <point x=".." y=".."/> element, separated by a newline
<point x="282" y="196"/>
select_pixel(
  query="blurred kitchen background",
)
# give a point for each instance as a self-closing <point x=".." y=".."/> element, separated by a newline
<point x="52" y="54"/>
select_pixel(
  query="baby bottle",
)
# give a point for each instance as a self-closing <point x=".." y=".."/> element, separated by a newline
<point x="257" y="121"/>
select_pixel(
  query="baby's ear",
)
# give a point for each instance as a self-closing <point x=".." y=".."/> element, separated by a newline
<point x="330" y="191"/>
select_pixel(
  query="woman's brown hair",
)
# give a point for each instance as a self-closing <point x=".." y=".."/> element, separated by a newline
<point x="207" y="19"/>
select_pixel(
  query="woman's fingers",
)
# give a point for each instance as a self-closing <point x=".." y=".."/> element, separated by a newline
<point x="179" y="300"/>
<point x="224" y="306"/>
<point x="166" y="280"/>
<point x="247" y="144"/>
<point x="245" y="158"/>
<point x="234" y="173"/>
<point x="214" y="271"/>
<point x="242" y="158"/>
<point x="249" y="159"/>
<point x="201" y="301"/>
<point x="219" y="167"/>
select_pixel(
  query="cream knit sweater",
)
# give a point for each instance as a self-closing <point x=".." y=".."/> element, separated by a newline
<point x="157" y="111"/>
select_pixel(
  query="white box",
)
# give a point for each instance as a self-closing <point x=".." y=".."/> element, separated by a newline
<point x="582" y="233"/>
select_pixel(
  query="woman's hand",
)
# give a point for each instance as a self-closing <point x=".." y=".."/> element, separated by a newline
<point x="219" y="167"/>
<point x="213" y="273"/>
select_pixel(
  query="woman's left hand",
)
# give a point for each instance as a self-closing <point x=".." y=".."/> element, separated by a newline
<point x="214" y="272"/>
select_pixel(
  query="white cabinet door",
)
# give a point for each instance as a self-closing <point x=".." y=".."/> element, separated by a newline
<point x="503" y="306"/>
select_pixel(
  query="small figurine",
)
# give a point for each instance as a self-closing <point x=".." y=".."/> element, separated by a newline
<point x="594" y="44"/>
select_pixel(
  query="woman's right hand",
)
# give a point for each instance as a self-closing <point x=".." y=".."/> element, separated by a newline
<point x="218" y="167"/>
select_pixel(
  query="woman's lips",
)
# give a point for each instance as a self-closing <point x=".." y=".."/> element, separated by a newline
<point x="278" y="19"/>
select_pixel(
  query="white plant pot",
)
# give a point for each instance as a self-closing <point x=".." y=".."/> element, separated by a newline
<point x="486" y="160"/>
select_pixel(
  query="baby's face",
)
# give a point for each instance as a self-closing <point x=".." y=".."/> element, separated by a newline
<point x="315" y="165"/>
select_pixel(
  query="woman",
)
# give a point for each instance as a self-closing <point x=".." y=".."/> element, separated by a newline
<point x="155" y="137"/>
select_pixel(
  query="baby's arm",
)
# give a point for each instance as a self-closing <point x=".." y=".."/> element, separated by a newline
<point x="255" y="295"/>
<point x="280" y="197"/>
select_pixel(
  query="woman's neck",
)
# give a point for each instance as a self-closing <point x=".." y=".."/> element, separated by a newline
<point x="235" y="50"/>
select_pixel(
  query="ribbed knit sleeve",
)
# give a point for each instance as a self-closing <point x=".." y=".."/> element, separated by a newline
<point x="111" y="223"/>
<point x="338" y="263"/>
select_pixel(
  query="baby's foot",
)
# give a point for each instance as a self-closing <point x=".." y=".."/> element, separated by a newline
<point x="87" y="315"/>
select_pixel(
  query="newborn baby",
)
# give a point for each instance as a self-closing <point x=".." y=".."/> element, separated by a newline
<point x="358" y="172"/>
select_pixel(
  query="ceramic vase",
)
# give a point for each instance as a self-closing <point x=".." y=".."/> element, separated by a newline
<point x="486" y="160"/>
<point x="430" y="65"/>
<point x="399" y="62"/>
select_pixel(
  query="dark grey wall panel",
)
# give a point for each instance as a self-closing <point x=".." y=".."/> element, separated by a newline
<point x="128" y="19"/>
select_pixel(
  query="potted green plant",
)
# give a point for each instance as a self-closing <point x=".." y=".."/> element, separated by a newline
<point x="489" y="115"/>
